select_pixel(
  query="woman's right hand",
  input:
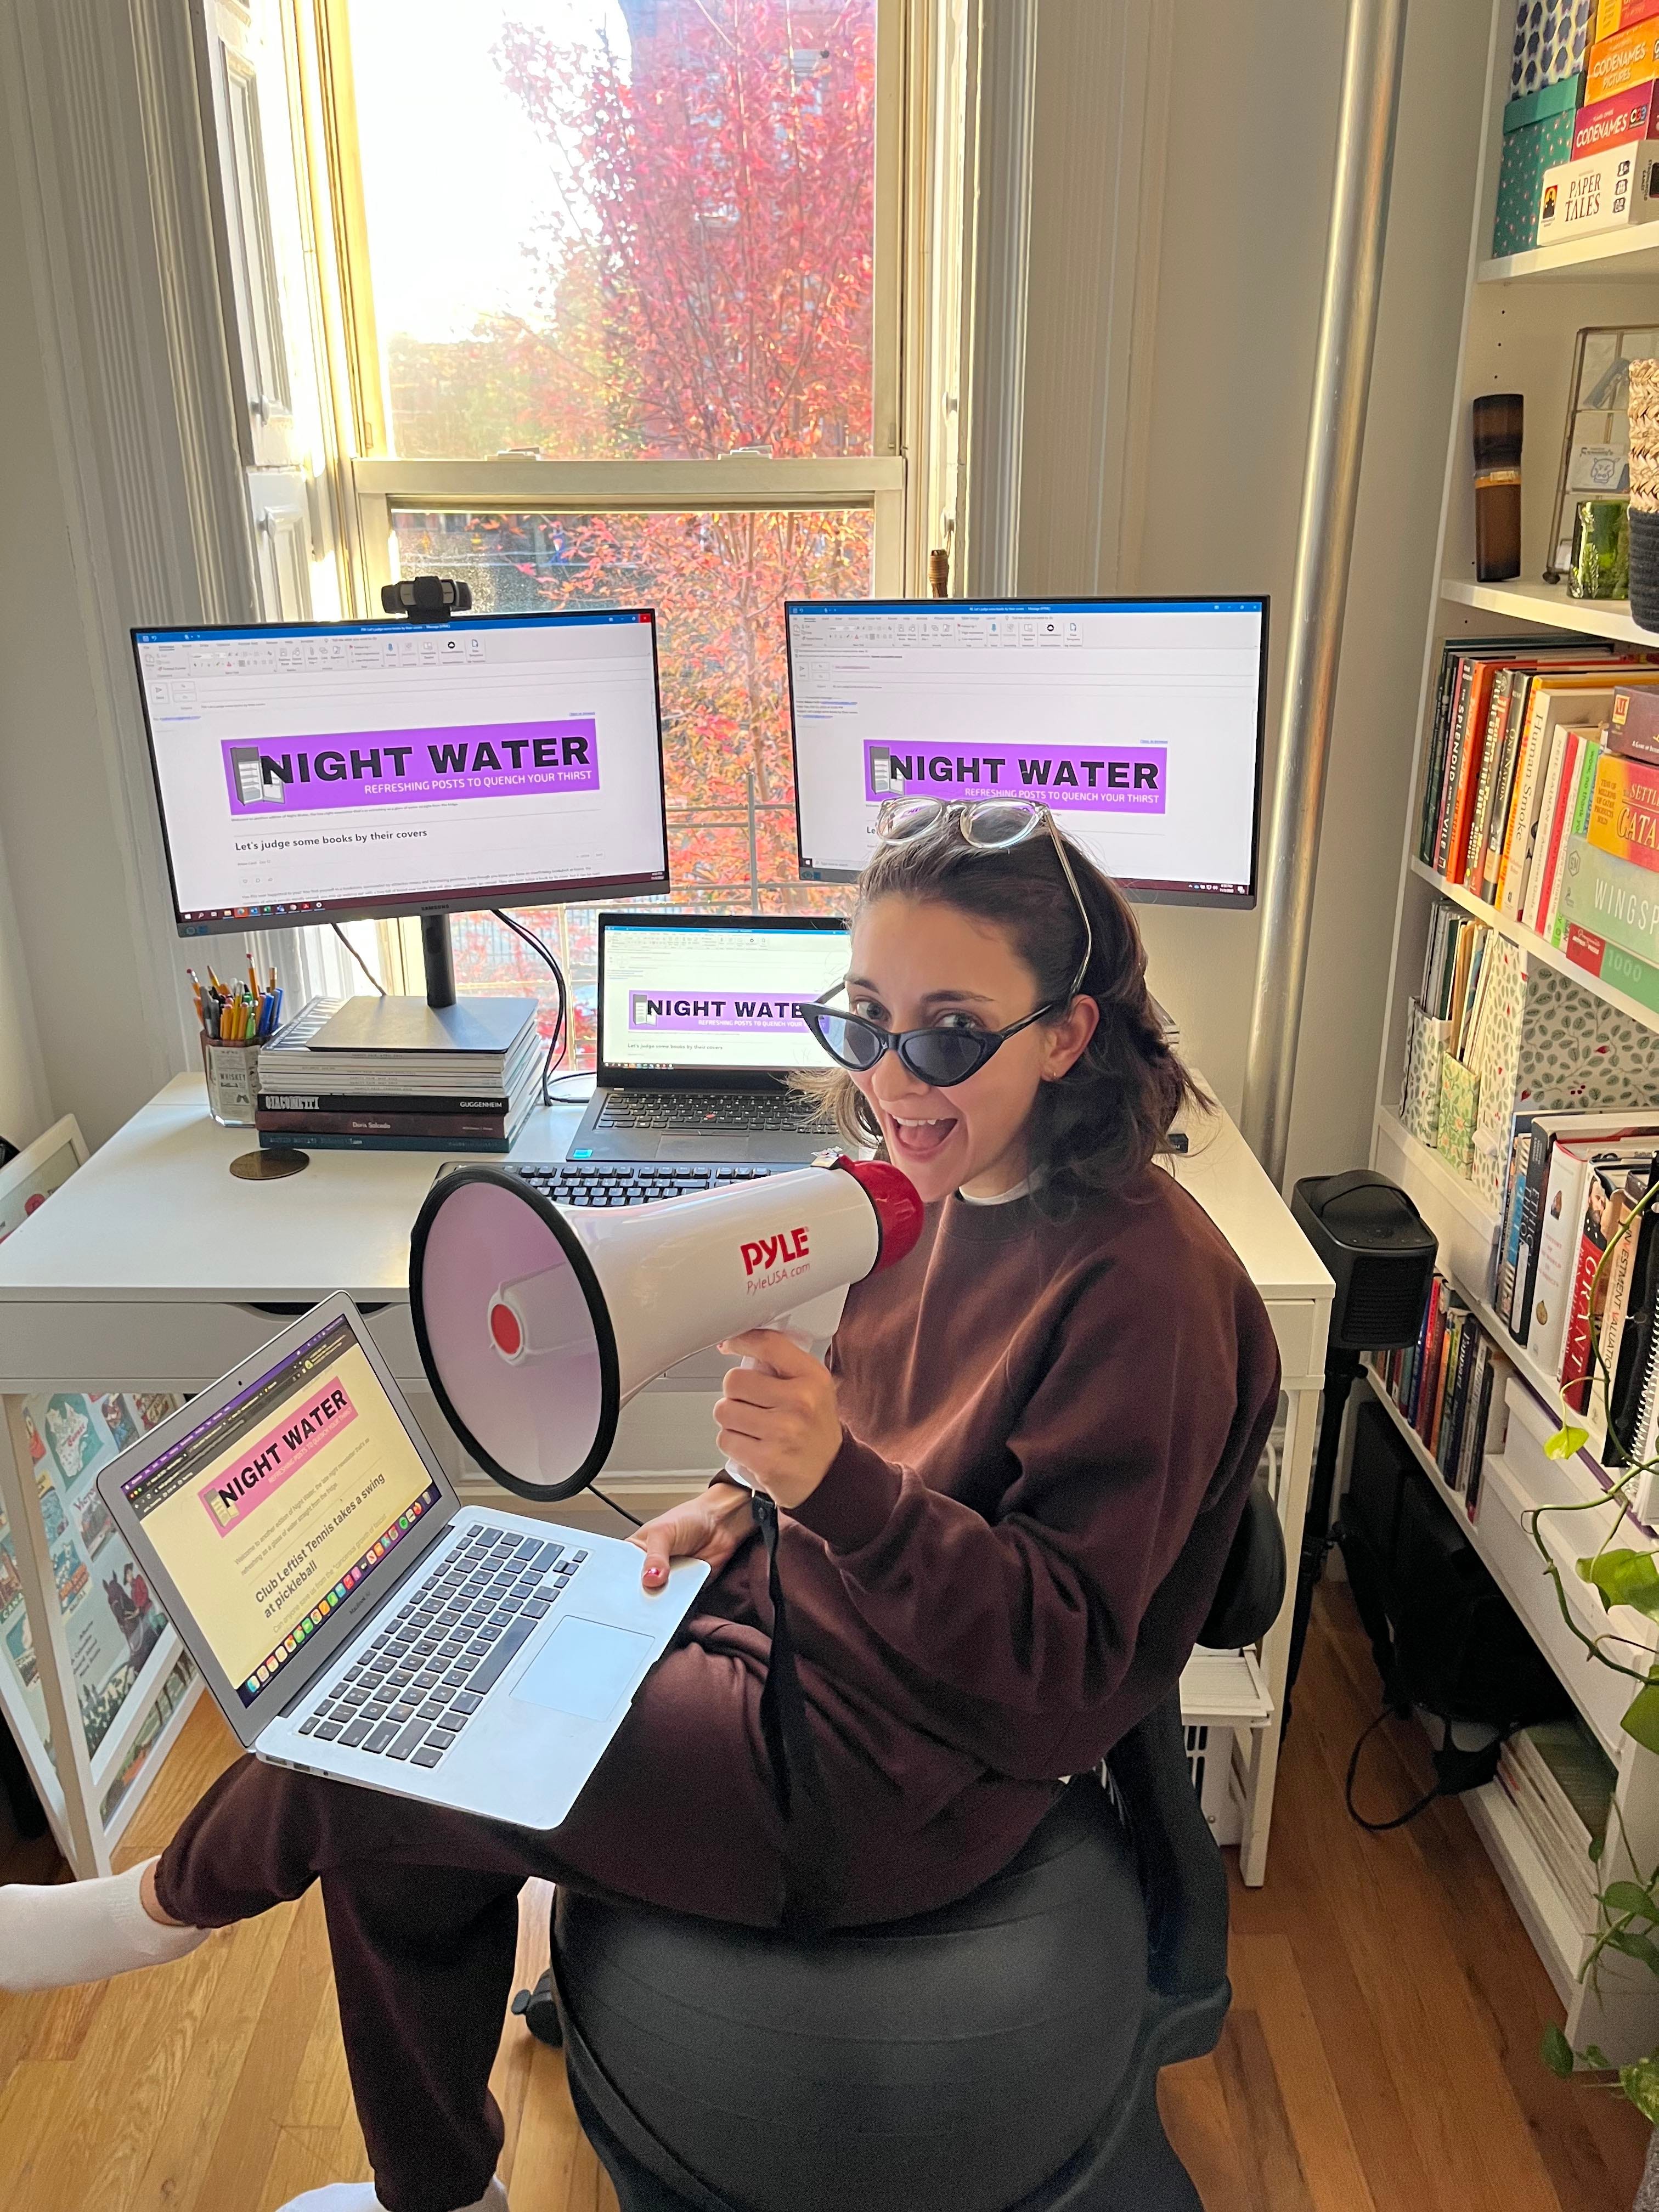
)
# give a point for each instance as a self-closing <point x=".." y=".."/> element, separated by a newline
<point x="710" y="1526"/>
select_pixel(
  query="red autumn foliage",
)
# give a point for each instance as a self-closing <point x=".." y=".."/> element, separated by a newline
<point x="711" y="295"/>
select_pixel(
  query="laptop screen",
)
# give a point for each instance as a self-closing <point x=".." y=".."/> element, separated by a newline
<point x="720" y="995"/>
<point x="281" y="1503"/>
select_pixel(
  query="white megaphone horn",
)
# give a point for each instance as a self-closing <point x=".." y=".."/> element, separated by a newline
<point x="535" y="1325"/>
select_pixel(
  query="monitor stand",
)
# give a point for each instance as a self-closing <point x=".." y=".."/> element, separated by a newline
<point x="438" y="1022"/>
<point x="444" y="1022"/>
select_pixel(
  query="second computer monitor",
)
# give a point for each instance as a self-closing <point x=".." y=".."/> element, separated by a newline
<point x="1139" y="722"/>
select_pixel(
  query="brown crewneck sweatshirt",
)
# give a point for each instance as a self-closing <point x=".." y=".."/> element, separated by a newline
<point x="1050" y="1430"/>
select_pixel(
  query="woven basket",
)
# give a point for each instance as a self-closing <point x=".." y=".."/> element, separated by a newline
<point x="1644" y="494"/>
<point x="1645" y="436"/>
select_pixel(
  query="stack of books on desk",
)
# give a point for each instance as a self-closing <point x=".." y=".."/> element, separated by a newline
<point x="344" y="1075"/>
<point x="1561" y="1782"/>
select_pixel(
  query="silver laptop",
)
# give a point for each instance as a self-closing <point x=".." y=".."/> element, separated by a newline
<point x="698" y="1034"/>
<point x="353" y="1619"/>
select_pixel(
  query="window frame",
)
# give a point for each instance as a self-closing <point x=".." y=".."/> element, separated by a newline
<point x="919" y="237"/>
<point x="369" y="481"/>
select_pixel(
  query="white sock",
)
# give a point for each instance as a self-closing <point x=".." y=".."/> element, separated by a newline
<point x="82" y="1931"/>
<point x="359" y="2196"/>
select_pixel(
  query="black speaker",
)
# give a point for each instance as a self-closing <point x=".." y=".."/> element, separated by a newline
<point x="1380" y="1251"/>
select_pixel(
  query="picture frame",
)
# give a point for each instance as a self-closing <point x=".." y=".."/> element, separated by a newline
<point x="1595" y="461"/>
<point x="27" y="1180"/>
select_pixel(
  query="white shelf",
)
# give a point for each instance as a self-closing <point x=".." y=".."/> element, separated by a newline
<point x="1630" y="255"/>
<point x="1224" y="1689"/>
<point x="1519" y="318"/>
<point x="1425" y="1458"/>
<point x="1550" y="1917"/>
<point x="1538" y="948"/>
<point x="1457" y="1190"/>
<point x="1548" y="604"/>
<point x="1544" y="1386"/>
<point x="1533" y="1889"/>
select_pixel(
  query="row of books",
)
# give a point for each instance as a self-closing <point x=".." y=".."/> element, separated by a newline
<point x="1455" y="974"/>
<point x="1450" y="1386"/>
<point x="1589" y="1320"/>
<point x="1517" y="731"/>
<point x="1560" y="1783"/>
<point x="1463" y="1034"/>
<point x="340" y="1077"/>
<point x="1607" y="901"/>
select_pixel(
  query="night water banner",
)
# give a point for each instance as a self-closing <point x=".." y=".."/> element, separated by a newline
<point x="411" y="767"/>
<point x="1080" y="779"/>
<point x="708" y="1012"/>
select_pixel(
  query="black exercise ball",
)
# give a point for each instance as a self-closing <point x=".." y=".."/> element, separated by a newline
<point x="948" y="2063"/>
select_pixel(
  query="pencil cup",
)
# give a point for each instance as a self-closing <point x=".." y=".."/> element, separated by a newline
<point x="233" y="1082"/>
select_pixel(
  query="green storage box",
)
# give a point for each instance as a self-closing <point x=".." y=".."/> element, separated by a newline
<point x="1537" y="134"/>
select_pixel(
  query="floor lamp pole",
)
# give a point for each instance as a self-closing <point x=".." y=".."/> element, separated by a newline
<point x="1330" y="489"/>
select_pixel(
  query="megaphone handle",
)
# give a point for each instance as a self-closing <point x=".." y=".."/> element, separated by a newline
<point x="797" y="1336"/>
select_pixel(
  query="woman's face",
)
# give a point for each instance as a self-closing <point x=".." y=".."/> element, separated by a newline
<point x="916" y="965"/>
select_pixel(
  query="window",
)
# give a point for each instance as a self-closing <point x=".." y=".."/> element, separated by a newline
<point x="610" y="300"/>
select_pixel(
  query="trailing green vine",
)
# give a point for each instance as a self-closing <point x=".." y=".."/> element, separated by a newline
<point x="1628" y="1909"/>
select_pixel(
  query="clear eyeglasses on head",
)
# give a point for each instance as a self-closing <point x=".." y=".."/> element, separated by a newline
<point x="941" y="1056"/>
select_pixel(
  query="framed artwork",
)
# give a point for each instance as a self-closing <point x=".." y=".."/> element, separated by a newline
<point x="1595" y="438"/>
<point x="28" y="1180"/>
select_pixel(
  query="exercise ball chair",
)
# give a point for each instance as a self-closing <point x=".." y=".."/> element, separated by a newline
<point x="1000" y="2054"/>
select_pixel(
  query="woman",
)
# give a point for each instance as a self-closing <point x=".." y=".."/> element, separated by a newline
<point x="1006" y="1504"/>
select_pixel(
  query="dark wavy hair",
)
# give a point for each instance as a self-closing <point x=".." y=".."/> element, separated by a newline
<point x="1096" y="1128"/>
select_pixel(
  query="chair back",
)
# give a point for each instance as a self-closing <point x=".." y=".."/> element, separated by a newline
<point x="1182" y="1876"/>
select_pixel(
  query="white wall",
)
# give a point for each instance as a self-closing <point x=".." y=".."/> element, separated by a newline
<point x="25" y="1107"/>
<point x="61" y="843"/>
<point x="1247" y="179"/>
<point x="76" y="934"/>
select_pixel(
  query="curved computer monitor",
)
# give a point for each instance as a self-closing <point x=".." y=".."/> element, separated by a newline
<point x="333" y="771"/>
<point x="1139" y="722"/>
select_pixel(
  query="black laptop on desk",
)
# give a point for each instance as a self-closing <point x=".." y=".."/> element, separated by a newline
<point x="698" y="1034"/>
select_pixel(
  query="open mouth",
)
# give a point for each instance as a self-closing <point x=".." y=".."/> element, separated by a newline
<point x="917" y="1141"/>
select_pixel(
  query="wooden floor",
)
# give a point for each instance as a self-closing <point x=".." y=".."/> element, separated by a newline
<point x="1380" y="2056"/>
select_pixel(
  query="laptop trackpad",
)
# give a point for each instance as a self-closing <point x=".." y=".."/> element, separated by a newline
<point x="584" y="1669"/>
<point x="708" y="1146"/>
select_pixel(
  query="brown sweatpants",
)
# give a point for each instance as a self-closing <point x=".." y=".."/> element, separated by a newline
<point x="422" y="1903"/>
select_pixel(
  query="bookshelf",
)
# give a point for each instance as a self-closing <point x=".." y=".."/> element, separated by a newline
<point x="1543" y="606"/>
<point x="1535" y="947"/>
<point x="1614" y="256"/>
<point x="1521" y="315"/>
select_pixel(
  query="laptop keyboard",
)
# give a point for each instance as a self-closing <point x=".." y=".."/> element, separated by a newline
<point x="596" y="1182"/>
<point x="746" y="1111"/>
<point x="418" y="1685"/>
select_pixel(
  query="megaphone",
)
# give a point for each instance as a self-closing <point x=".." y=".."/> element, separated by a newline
<point x="537" y="1325"/>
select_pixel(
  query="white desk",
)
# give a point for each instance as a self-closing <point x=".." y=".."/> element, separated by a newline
<point x="146" y="1270"/>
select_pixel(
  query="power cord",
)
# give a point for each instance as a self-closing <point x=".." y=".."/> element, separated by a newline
<point x="615" y="1507"/>
<point x="555" y="1044"/>
<point x="358" y="957"/>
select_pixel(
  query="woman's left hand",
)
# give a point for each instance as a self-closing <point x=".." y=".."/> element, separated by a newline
<point x="781" y="1428"/>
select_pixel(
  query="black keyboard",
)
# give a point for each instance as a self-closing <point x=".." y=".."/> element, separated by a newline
<point x="775" y="1112"/>
<point x="421" y="1681"/>
<point x="597" y="1183"/>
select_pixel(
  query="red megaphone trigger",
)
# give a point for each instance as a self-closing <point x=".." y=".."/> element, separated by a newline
<point x="896" y="1204"/>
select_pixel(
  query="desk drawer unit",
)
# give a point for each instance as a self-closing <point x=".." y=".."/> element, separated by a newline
<point x="157" y="1344"/>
